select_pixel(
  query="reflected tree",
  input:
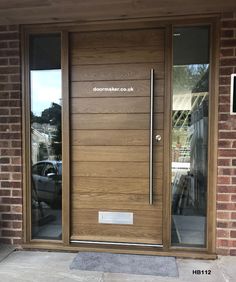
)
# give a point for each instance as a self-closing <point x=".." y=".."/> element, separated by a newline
<point x="185" y="78"/>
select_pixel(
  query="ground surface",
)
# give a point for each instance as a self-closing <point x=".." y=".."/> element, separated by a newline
<point x="24" y="266"/>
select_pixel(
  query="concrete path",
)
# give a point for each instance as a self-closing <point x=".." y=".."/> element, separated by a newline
<point x="24" y="266"/>
<point x="5" y="251"/>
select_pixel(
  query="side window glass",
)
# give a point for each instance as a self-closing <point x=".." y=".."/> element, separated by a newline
<point x="45" y="89"/>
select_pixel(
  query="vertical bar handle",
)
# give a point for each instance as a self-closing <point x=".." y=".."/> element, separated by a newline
<point x="151" y="138"/>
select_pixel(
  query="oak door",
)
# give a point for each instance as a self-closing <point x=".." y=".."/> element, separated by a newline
<point x="110" y="132"/>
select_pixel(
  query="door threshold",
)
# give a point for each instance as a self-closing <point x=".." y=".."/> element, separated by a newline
<point x="193" y="254"/>
<point x="116" y="243"/>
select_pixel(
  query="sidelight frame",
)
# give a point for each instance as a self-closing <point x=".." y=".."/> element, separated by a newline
<point x="168" y="24"/>
<point x="26" y="137"/>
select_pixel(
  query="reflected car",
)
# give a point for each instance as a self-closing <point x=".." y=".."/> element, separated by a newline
<point x="47" y="182"/>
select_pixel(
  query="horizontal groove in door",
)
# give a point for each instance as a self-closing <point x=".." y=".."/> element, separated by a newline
<point x="95" y="56"/>
<point x="137" y="233"/>
<point x="112" y="185"/>
<point x="104" y="39"/>
<point x="115" y="153"/>
<point x="115" y="105"/>
<point x="140" y="88"/>
<point x="119" y="72"/>
<point x="115" y="201"/>
<point x="113" y="137"/>
<point x="115" y="169"/>
<point x="115" y="121"/>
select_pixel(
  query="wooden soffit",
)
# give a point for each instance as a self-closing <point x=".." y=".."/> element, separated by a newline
<point x="42" y="11"/>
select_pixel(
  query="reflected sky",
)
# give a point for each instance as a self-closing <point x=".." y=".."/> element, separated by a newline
<point x="45" y="89"/>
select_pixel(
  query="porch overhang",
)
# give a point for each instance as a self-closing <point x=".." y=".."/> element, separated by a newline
<point x="48" y="11"/>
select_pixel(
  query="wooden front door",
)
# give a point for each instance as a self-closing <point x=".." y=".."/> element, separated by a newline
<point x="110" y="132"/>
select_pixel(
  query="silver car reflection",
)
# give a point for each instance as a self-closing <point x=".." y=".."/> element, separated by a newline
<point x="47" y="182"/>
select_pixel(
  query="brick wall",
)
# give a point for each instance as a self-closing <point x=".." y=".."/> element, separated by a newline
<point x="10" y="136"/>
<point x="226" y="190"/>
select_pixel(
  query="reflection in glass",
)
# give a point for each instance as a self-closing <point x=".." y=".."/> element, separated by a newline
<point x="46" y="146"/>
<point x="190" y="135"/>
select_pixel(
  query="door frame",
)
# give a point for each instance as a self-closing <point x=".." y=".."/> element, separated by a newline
<point x="167" y="23"/>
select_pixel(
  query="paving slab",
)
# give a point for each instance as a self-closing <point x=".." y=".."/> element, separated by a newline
<point x="199" y="270"/>
<point x="227" y="266"/>
<point x="43" y="266"/>
<point x="5" y="251"/>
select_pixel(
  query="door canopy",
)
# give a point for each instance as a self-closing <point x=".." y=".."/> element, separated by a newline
<point x="45" y="11"/>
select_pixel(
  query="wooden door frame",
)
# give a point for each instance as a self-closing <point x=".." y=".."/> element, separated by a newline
<point x="168" y="23"/>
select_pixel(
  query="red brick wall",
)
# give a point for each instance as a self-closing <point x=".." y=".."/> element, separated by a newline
<point x="10" y="136"/>
<point x="226" y="190"/>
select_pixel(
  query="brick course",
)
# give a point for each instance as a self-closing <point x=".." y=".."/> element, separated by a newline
<point x="226" y="188"/>
<point x="10" y="136"/>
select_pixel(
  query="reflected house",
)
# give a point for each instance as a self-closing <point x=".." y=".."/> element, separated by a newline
<point x="180" y="119"/>
<point x="190" y="133"/>
<point x="40" y="145"/>
<point x="42" y="138"/>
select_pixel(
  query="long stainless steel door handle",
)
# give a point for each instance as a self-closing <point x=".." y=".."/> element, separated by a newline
<point x="151" y="137"/>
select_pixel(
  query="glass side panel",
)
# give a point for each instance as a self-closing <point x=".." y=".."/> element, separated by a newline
<point x="190" y="135"/>
<point x="46" y="145"/>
